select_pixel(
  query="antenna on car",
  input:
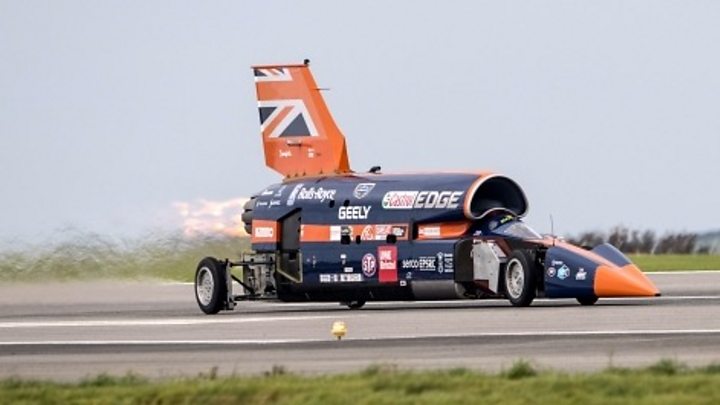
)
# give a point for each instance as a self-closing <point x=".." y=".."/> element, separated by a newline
<point x="552" y="229"/>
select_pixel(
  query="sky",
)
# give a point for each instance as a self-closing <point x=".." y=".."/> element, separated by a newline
<point x="606" y="112"/>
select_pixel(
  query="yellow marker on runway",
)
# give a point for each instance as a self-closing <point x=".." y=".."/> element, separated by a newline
<point x="339" y="330"/>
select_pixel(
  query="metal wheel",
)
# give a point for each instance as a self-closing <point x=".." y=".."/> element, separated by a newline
<point x="520" y="279"/>
<point x="514" y="278"/>
<point x="204" y="286"/>
<point x="210" y="285"/>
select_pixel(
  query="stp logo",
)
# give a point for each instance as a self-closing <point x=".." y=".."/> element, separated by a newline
<point x="369" y="265"/>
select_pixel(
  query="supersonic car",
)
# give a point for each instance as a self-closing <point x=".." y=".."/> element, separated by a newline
<point x="327" y="233"/>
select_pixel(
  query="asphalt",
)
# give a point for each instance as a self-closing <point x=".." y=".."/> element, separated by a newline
<point x="70" y="331"/>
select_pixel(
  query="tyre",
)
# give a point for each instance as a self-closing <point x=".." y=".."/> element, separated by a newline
<point x="587" y="300"/>
<point x="519" y="279"/>
<point x="211" y="285"/>
<point x="354" y="304"/>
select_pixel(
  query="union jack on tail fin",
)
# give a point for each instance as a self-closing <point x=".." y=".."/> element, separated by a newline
<point x="300" y="137"/>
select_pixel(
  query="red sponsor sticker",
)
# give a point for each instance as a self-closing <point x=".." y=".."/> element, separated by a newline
<point x="387" y="264"/>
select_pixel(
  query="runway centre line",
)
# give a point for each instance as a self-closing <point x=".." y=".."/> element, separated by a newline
<point x="156" y="322"/>
<point x="210" y="342"/>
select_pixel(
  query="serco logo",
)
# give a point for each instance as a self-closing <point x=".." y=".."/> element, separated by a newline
<point x="320" y="194"/>
<point x="405" y="200"/>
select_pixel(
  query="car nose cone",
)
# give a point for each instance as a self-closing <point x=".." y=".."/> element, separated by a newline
<point x="626" y="281"/>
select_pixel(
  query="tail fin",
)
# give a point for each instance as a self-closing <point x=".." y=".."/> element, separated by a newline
<point x="300" y="137"/>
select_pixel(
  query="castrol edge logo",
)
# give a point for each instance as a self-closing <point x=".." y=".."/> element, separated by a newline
<point x="406" y="200"/>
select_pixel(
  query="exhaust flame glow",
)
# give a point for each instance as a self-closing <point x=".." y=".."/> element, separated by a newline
<point x="205" y="217"/>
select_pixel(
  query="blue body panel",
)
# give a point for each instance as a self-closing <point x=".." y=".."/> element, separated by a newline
<point x="568" y="275"/>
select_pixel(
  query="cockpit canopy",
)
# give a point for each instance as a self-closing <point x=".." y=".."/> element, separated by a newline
<point x="497" y="193"/>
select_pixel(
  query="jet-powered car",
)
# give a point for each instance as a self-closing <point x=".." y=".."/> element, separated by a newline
<point x="327" y="233"/>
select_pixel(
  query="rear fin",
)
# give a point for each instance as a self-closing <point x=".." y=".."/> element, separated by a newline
<point x="300" y="137"/>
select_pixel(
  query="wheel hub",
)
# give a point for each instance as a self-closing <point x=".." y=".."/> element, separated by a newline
<point x="204" y="286"/>
<point x="514" y="279"/>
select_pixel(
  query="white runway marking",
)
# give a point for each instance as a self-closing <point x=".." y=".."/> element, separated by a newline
<point x="211" y="342"/>
<point x="156" y="322"/>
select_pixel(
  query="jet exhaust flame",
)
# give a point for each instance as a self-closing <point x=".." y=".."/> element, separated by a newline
<point x="205" y="217"/>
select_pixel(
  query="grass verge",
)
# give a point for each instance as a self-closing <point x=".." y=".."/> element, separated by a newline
<point x="676" y="262"/>
<point x="169" y="257"/>
<point x="665" y="382"/>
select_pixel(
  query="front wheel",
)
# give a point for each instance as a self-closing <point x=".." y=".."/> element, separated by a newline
<point x="587" y="300"/>
<point x="520" y="281"/>
<point x="210" y="285"/>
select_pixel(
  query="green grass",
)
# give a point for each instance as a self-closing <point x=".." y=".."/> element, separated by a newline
<point x="174" y="257"/>
<point x="666" y="382"/>
<point x="676" y="262"/>
<point x="94" y="257"/>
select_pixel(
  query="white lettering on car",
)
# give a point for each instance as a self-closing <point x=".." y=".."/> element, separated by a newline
<point x="354" y="212"/>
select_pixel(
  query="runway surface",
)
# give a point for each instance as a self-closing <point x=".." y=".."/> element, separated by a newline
<point x="67" y="331"/>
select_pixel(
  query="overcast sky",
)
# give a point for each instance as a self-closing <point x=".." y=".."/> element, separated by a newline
<point x="607" y="112"/>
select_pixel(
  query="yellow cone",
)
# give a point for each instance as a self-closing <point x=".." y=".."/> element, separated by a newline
<point x="339" y="330"/>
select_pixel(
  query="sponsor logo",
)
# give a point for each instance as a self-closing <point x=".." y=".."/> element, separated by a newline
<point x="348" y="269"/>
<point x="563" y="272"/>
<point x="368" y="233"/>
<point x="274" y="203"/>
<point x="279" y="191"/>
<point x="387" y="264"/>
<point x="448" y="263"/>
<point x="343" y="258"/>
<point x="551" y="271"/>
<point x="362" y="190"/>
<point x="369" y="265"/>
<point x="399" y="231"/>
<point x="404" y="200"/>
<point x="429" y="231"/>
<point x="261" y="204"/>
<point x="267" y="192"/>
<point x="263" y="232"/>
<point x="581" y="274"/>
<point x="556" y="263"/>
<point x="285" y="153"/>
<point x="341" y="278"/>
<point x="440" y="262"/>
<point x="293" y="194"/>
<point x="354" y="212"/>
<point x="320" y="194"/>
<point x="400" y="200"/>
<point x="388" y="257"/>
<point x="311" y="153"/>
<point x="422" y="263"/>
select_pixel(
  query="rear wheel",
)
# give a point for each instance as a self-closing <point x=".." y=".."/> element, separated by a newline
<point x="210" y="285"/>
<point x="587" y="300"/>
<point x="520" y="280"/>
<point x="354" y="304"/>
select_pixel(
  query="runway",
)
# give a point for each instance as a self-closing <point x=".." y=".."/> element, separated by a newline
<point x="67" y="331"/>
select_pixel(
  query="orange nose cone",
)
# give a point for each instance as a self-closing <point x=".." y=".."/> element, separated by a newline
<point x="626" y="281"/>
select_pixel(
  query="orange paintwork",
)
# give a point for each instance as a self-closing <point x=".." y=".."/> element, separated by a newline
<point x="332" y="233"/>
<point x="627" y="281"/>
<point x="314" y="233"/>
<point x="265" y="231"/>
<point x="322" y="151"/>
<point x="442" y="230"/>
